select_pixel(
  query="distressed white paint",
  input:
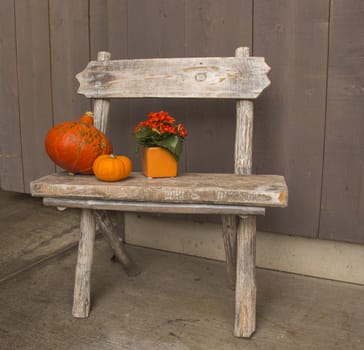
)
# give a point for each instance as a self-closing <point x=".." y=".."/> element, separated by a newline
<point x="245" y="287"/>
<point x="208" y="77"/>
<point x="82" y="289"/>
<point x="242" y="166"/>
<point x="147" y="207"/>
<point x="230" y="189"/>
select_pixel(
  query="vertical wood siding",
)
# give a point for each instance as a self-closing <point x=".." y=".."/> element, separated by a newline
<point x="309" y="124"/>
<point x="34" y="85"/>
<point x="342" y="207"/>
<point x="11" y="165"/>
<point x="290" y="116"/>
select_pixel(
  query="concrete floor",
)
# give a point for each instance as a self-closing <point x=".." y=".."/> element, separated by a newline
<point x="177" y="302"/>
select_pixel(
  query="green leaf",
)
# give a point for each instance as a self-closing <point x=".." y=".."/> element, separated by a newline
<point x="148" y="138"/>
<point x="172" y="144"/>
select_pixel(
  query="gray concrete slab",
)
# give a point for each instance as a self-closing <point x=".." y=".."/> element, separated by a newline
<point x="177" y="302"/>
<point x="30" y="231"/>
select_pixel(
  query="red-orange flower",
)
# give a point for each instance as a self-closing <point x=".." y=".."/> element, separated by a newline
<point x="181" y="130"/>
<point x="159" y="130"/>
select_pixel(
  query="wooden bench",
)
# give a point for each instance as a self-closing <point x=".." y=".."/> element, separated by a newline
<point x="238" y="197"/>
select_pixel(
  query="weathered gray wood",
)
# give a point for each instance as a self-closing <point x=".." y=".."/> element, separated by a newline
<point x="115" y="241"/>
<point x="229" y="226"/>
<point x="101" y="114"/>
<point x="102" y="106"/>
<point x="227" y="77"/>
<point x="244" y="138"/>
<point x="245" y="290"/>
<point x="82" y="297"/>
<point x="101" y="122"/>
<point x="239" y="77"/>
<point x="147" y="207"/>
<point x="252" y="190"/>
<point x="242" y="166"/>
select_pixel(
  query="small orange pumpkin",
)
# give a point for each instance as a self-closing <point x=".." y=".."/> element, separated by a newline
<point x="108" y="167"/>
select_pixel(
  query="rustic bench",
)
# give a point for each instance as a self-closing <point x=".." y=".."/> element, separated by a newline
<point x="238" y="197"/>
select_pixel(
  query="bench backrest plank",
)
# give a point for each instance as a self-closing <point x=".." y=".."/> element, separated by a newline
<point x="210" y="77"/>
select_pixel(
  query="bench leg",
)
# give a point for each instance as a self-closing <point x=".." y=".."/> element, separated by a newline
<point x="229" y="237"/>
<point x="81" y="296"/>
<point x="245" y="291"/>
<point x="115" y="241"/>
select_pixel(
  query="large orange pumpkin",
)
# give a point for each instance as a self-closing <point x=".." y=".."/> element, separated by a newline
<point x="74" y="145"/>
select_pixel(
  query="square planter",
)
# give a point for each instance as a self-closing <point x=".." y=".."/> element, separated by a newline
<point x="158" y="162"/>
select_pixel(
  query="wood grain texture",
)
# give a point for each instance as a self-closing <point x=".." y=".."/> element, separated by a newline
<point x="115" y="241"/>
<point x="143" y="207"/>
<point x="254" y="190"/>
<point x="229" y="233"/>
<point x="244" y="138"/>
<point x="243" y="159"/>
<point x="69" y="51"/>
<point x="208" y="77"/>
<point x="342" y="209"/>
<point x="102" y="106"/>
<point x="290" y="115"/>
<point x="82" y="288"/>
<point x="245" y="290"/>
<point x="11" y="167"/>
<point x="34" y="77"/>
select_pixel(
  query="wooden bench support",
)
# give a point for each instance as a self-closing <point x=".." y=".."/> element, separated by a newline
<point x="245" y="291"/>
<point x="149" y="207"/>
<point x="115" y="241"/>
<point x="82" y="298"/>
<point x="229" y="238"/>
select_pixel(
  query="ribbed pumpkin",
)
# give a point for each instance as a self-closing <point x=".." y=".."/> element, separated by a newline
<point x="112" y="168"/>
<point x="74" y="145"/>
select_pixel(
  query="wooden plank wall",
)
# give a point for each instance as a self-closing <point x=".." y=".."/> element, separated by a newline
<point x="342" y="206"/>
<point x="11" y="166"/>
<point x="309" y="123"/>
<point x="290" y="116"/>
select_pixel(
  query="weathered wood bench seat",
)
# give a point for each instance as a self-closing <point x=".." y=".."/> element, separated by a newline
<point x="238" y="197"/>
<point x="235" y="193"/>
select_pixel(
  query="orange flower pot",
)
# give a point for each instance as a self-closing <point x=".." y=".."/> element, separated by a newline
<point x="158" y="162"/>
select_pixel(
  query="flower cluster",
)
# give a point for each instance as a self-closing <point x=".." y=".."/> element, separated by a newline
<point x="159" y="130"/>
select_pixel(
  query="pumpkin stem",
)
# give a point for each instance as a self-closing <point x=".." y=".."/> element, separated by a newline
<point x="89" y="113"/>
<point x="112" y="156"/>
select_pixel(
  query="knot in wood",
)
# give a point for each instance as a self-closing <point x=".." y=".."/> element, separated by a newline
<point x="200" y="76"/>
